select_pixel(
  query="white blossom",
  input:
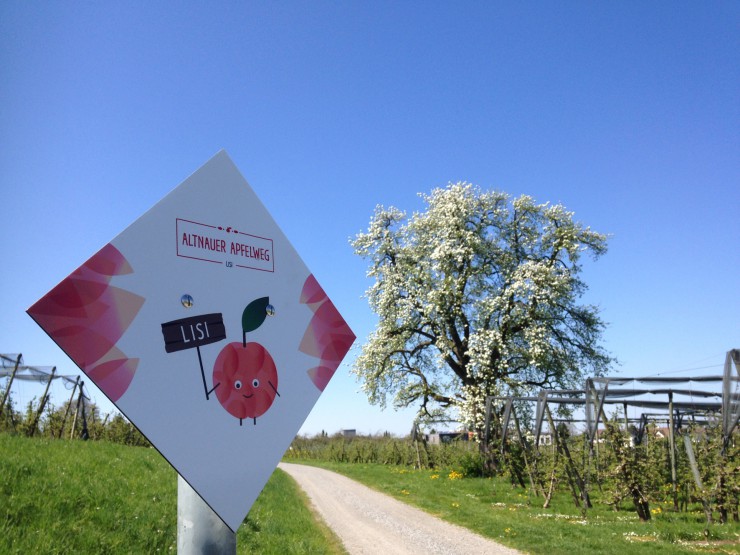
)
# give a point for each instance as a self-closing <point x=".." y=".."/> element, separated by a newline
<point x="476" y="296"/>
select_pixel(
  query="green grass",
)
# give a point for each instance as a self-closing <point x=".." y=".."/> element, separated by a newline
<point x="280" y="522"/>
<point x="98" y="497"/>
<point x="493" y="508"/>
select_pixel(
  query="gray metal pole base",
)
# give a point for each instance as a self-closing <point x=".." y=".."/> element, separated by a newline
<point x="199" y="530"/>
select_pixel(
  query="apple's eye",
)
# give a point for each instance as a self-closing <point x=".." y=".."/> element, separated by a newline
<point x="255" y="383"/>
<point x="237" y="384"/>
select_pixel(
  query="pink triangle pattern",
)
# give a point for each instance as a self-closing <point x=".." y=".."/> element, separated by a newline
<point x="86" y="316"/>
<point x="327" y="337"/>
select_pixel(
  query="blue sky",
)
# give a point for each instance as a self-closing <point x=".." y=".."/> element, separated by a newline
<point x="627" y="113"/>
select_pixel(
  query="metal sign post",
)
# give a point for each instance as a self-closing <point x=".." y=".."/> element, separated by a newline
<point x="199" y="530"/>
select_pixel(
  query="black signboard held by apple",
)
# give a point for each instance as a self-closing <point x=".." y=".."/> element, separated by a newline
<point x="194" y="332"/>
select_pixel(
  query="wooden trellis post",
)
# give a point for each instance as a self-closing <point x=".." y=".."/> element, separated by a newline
<point x="570" y="467"/>
<point x="642" y="506"/>
<point x="10" y="383"/>
<point x="42" y="403"/>
<point x="69" y="406"/>
<point x="525" y="448"/>
<point x="672" y="447"/>
<point x="697" y="476"/>
<point x="77" y="411"/>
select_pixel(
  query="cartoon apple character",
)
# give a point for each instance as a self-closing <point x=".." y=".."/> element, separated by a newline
<point x="244" y="375"/>
<point x="247" y="380"/>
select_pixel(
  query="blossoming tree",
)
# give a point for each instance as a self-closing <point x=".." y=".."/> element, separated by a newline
<point x="476" y="296"/>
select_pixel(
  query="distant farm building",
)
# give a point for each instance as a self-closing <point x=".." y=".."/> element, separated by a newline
<point x="438" y="438"/>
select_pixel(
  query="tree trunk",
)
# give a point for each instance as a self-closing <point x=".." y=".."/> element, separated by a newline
<point x="551" y="489"/>
<point x="570" y="466"/>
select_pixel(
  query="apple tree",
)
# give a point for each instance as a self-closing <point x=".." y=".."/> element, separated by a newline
<point x="477" y="295"/>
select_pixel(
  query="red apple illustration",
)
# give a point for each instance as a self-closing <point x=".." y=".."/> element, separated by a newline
<point x="245" y="378"/>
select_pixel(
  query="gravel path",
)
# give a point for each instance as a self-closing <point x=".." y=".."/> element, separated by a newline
<point x="370" y="522"/>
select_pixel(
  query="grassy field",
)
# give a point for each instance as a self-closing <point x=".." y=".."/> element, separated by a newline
<point x="494" y="509"/>
<point x="98" y="497"/>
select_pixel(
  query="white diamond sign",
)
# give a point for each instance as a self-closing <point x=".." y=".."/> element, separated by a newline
<point x="204" y="327"/>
